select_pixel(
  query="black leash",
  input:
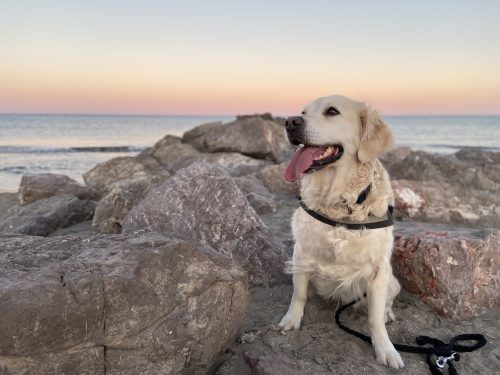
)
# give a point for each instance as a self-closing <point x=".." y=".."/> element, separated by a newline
<point x="446" y="353"/>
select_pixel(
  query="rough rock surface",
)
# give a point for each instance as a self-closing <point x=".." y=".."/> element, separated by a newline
<point x="456" y="271"/>
<point x="259" y="197"/>
<point x="114" y="206"/>
<point x="103" y="175"/>
<point x="83" y="229"/>
<point x="162" y="143"/>
<point x="252" y="136"/>
<point x="8" y="202"/>
<point x="175" y="156"/>
<point x="272" y="178"/>
<point x="431" y="201"/>
<point x="169" y="154"/>
<point x="144" y="304"/>
<point x="43" y="185"/>
<point x="467" y="168"/>
<point x="47" y="215"/>
<point x="267" y="190"/>
<point x="320" y="347"/>
<point x="235" y="164"/>
<point x="203" y="203"/>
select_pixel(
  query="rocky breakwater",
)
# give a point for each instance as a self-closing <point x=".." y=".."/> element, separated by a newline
<point x="166" y="296"/>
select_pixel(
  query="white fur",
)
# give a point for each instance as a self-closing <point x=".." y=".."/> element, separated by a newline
<point x="341" y="263"/>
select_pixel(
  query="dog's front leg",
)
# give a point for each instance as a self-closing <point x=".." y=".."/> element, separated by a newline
<point x="296" y="310"/>
<point x="377" y="295"/>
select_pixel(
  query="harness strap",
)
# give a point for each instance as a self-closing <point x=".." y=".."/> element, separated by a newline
<point x="446" y="353"/>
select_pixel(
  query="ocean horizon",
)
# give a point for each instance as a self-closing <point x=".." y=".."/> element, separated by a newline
<point x="71" y="144"/>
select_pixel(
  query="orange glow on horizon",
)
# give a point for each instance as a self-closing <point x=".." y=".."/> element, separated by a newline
<point x="86" y="58"/>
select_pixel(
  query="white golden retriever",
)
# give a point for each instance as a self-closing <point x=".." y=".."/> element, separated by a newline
<point x="342" y="140"/>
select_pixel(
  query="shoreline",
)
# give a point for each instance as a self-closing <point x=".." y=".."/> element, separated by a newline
<point x="132" y="151"/>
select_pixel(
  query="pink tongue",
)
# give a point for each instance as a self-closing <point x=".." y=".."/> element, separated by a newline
<point x="302" y="161"/>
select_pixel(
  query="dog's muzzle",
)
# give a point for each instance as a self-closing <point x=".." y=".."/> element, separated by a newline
<point x="294" y="126"/>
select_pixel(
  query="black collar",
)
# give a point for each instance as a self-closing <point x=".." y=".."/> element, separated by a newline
<point x="385" y="222"/>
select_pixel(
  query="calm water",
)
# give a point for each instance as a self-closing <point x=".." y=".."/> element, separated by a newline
<point x="73" y="144"/>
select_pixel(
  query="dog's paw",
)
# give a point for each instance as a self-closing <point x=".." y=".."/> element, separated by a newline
<point x="388" y="355"/>
<point x="291" y="320"/>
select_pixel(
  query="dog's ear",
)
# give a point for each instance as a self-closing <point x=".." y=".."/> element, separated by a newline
<point x="376" y="138"/>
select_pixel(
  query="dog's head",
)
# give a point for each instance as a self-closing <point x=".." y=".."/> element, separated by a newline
<point x="333" y="130"/>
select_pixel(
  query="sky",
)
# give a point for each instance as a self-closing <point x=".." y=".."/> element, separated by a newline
<point x="234" y="57"/>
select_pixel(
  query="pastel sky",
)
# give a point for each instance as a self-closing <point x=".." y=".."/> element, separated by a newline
<point x="231" y="57"/>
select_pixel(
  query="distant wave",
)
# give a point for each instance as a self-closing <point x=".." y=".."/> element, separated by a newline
<point x="51" y="150"/>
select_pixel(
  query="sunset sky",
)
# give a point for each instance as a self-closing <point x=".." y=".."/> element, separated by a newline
<point x="231" y="57"/>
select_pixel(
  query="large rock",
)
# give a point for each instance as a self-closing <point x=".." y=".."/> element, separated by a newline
<point x="235" y="164"/>
<point x="467" y="168"/>
<point x="252" y="136"/>
<point x="114" y="206"/>
<point x="175" y="156"/>
<point x="43" y="185"/>
<point x="8" y="202"/>
<point x="258" y="196"/>
<point x="104" y="175"/>
<point x="272" y="177"/>
<point x="203" y="203"/>
<point x="456" y="271"/>
<point x="144" y="304"/>
<point x="162" y="143"/>
<point x="47" y="215"/>
<point x="170" y="154"/>
<point x="431" y="201"/>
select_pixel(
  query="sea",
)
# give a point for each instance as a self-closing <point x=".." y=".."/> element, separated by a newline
<point x="73" y="144"/>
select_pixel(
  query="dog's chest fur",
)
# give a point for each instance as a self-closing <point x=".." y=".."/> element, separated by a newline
<point x="340" y="261"/>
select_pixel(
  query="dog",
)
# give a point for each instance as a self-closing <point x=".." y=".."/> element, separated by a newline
<point x="341" y="140"/>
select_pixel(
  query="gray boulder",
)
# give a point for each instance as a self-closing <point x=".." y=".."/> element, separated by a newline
<point x="175" y="156"/>
<point x="431" y="201"/>
<point x="114" y="206"/>
<point x="47" y="215"/>
<point x="164" y="142"/>
<point x="258" y="196"/>
<point x="8" y="203"/>
<point x="251" y="136"/>
<point x="102" y="176"/>
<point x="235" y="164"/>
<point x="43" y="185"/>
<point x="203" y="203"/>
<point x="468" y="168"/>
<point x="144" y="304"/>
<point x="272" y="178"/>
<point x="456" y="271"/>
<point x="171" y="154"/>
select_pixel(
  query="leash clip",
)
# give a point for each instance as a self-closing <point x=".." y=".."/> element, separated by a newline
<point x="442" y="360"/>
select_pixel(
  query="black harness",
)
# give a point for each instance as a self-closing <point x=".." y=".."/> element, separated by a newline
<point x="383" y="223"/>
<point x="445" y="353"/>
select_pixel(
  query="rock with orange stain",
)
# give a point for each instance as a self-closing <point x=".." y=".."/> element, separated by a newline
<point x="456" y="271"/>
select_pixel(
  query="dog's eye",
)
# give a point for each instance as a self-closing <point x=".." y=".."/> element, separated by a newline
<point x="303" y="112"/>
<point x="332" y="111"/>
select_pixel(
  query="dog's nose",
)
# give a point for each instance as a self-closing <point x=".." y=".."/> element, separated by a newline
<point x="294" y="122"/>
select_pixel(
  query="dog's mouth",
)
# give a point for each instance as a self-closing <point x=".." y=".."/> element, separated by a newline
<point x="312" y="158"/>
